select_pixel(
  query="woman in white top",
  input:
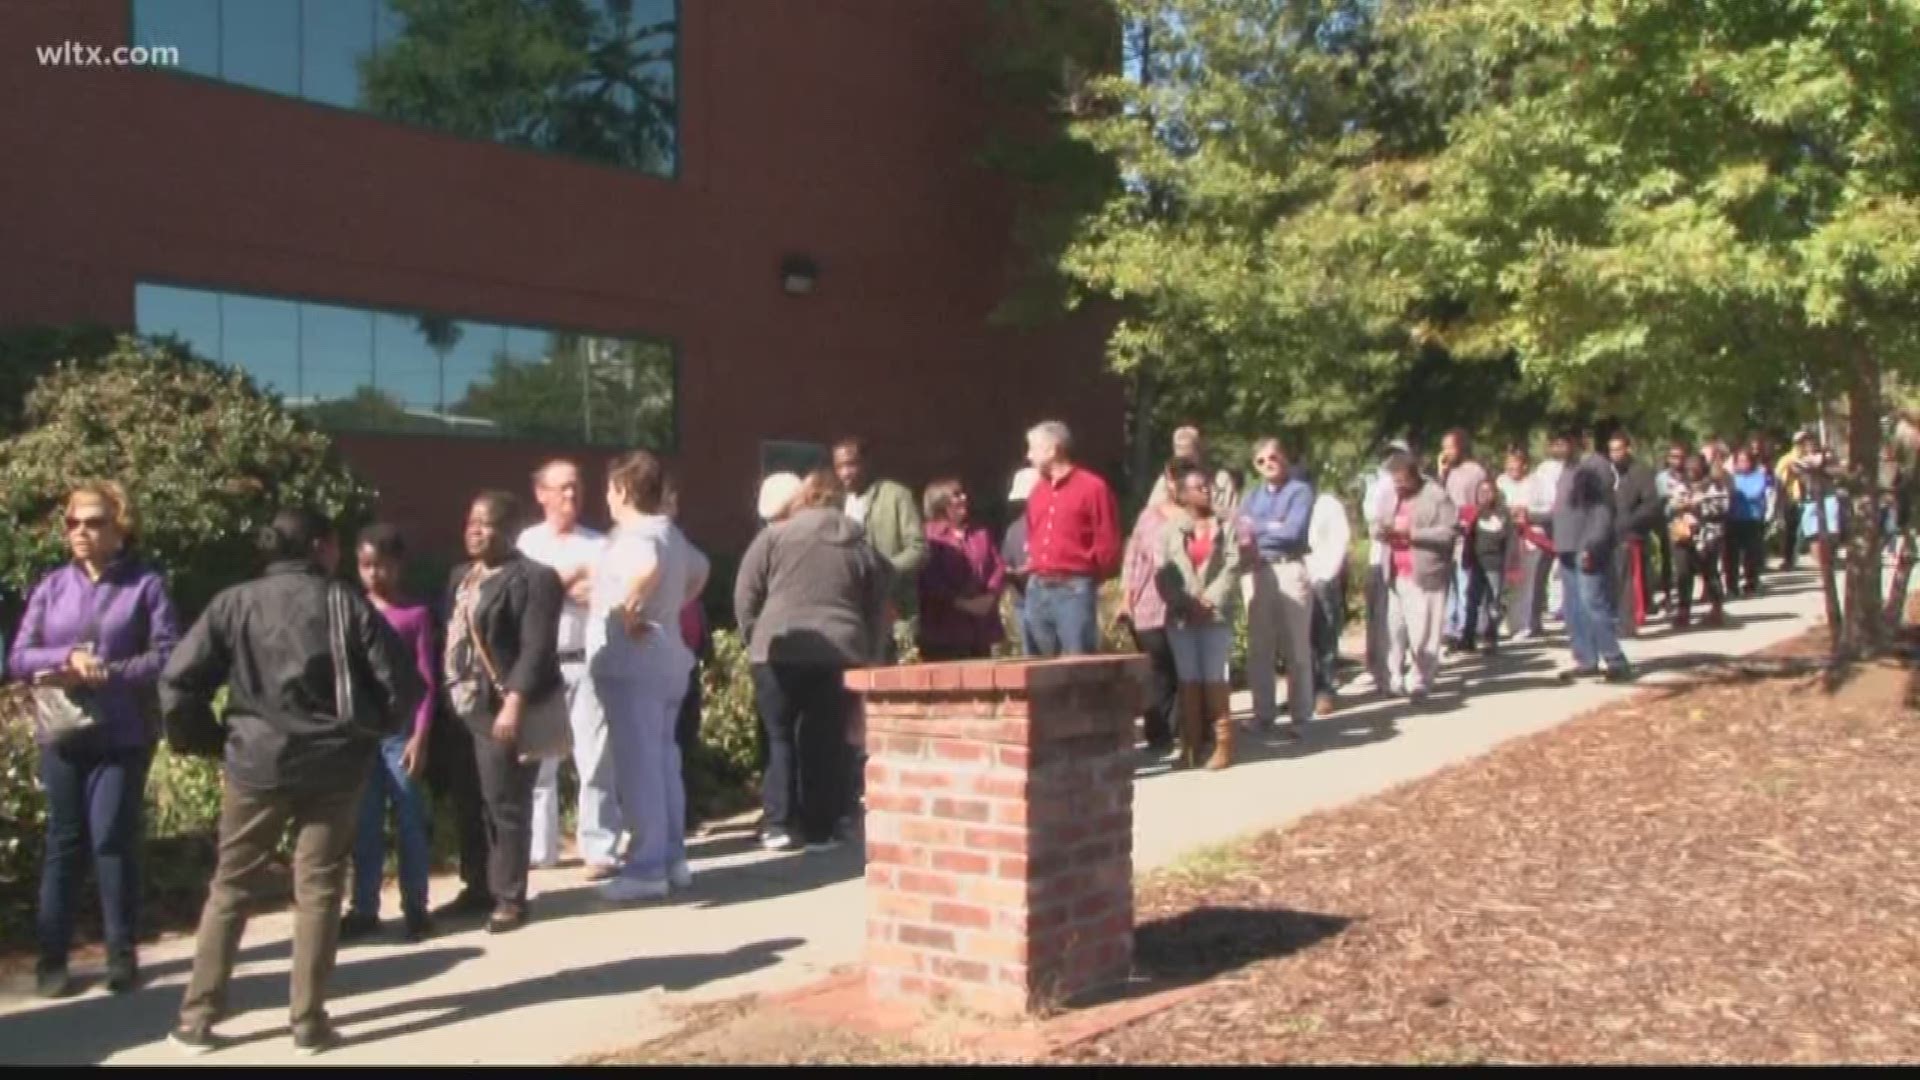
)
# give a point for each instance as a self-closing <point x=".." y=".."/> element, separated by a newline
<point x="640" y="665"/>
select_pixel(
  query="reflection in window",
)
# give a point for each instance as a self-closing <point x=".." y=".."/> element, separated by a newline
<point x="260" y="44"/>
<point x="594" y="78"/>
<point x="358" y="370"/>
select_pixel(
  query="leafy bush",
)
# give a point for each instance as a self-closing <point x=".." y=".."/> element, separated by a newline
<point x="206" y="456"/>
<point x="726" y="765"/>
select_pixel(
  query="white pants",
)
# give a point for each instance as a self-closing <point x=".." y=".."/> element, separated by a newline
<point x="1416" y="620"/>
<point x="1279" y="622"/>
<point x="598" y="824"/>
<point x="653" y="795"/>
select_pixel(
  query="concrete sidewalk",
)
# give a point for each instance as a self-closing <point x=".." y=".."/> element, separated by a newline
<point x="584" y="977"/>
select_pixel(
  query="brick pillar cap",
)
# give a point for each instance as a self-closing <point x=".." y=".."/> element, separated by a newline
<point x="1011" y="674"/>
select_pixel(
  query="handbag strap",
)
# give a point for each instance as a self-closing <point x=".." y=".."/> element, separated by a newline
<point x="480" y="647"/>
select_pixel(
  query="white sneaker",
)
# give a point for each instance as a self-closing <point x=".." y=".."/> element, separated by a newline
<point x="681" y="876"/>
<point x="626" y="890"/>
<point x="780" y="840"/>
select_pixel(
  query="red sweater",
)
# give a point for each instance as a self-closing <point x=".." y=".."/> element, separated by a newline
<point x="1073" y="527"/>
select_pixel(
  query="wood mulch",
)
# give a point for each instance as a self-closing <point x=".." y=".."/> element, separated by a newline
<point x="1725" y="872"/>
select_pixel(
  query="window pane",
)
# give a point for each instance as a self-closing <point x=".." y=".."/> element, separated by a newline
<point x="405" y="366"/>
<point x="335" y="34"/>
<point x="190" y="315"/>
<point x="472" y="355"/>
<point x="633" y="393"/>
<point x="192" y="26"/>
<point x="262" y="338"/>
<point x="336" y="351"/>
<point x="260" y="44"/>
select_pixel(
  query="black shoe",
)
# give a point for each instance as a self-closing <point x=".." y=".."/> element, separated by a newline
<point x="419" y="927"/>
<point x="123" y="972"/>
<point x="1620" y="674"/>
<point x="1575" y="674"/>
<point x="192" y="1041"/>
<point x="315" y="1039"/>
<point x="51" y="981"/>
<point x="507" y="918"/>
<point x="358" y="924"/>
<point x="469" y="903"/>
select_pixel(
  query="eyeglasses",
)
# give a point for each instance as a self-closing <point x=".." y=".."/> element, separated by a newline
<point x="91" y="524"/>
<point x="1266" y="459"/>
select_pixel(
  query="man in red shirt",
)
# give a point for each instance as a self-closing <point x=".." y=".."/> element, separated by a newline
<point x="1073" y="544"/>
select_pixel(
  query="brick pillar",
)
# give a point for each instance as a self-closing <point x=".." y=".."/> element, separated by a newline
<point x="1000" y="829"/>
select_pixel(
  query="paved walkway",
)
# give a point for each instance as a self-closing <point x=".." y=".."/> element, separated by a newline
<point x="584" y="977"/>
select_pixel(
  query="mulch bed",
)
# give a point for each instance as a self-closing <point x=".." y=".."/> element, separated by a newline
<point x="1720" y="873"/>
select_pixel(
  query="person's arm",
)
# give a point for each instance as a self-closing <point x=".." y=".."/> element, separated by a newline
<point x="913" y="534"/>
<point x="163" y="633"/>
<point x="1339" y="534"/>
<point x="426" y="661"/>
<point x="1106" y="534"/>
<point x="1170" y="579"/>
<point x="539" y="633"/>
<point x="1296" y="515"/>
<point x="1441" y="531"/>
<point x="996" y="568"/>
<point x="31" y="655"/>
<point x="192" y="675"/>
<point x="750" y="584"/>
<point x="1220" y="591"/>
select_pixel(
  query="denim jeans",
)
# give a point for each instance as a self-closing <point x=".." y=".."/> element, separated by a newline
<point x="1329" y="622"/>
<point x="95" y="801"/>
<point x="1590" y="617"/>
<point x="1063" y="619"/>
<point x="412" y="814"/>
<point x="1200" y="653"/>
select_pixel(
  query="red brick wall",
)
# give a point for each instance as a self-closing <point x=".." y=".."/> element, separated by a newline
<point x="844" y="129"/>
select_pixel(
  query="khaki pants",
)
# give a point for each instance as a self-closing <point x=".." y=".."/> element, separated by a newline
<point x="251" y="825"/>
<point x="1279" y="623"/>
<point x="1416" y="619"/>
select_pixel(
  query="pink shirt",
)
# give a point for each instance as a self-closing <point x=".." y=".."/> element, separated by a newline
<point x="1402" y="548"/>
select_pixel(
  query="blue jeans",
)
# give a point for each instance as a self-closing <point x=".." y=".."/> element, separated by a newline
<point x="95" y="799"/>
<point x="1200" y="653"/>
<point x="1458" y="596"/>
<point x="1590" y="614"/>
<point x="412" y="817"/>
<point x="1062" y="619"/>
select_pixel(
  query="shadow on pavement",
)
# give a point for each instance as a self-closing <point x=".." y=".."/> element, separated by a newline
<point x="1207" y="942"/>
<point x="90" y="1030"/>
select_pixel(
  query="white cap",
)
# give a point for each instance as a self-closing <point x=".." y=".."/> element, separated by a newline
<point x="777" y="493"/>
<point x="1023" y="484"/>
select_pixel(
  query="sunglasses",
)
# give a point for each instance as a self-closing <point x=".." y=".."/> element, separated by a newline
<point x="1266" y="459"/>
<point x="91" y="524"/>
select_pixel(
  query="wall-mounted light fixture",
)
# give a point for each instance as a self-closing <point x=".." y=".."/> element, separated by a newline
<point x="798" y="275"/>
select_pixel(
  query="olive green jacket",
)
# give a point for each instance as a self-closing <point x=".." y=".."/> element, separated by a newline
<point x="897" y="533"/>
<point x="1181" y="582"/>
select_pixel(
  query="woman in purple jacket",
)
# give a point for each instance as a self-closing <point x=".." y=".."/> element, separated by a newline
<point x="101" y="626"/>
<point x="960" y="585"/>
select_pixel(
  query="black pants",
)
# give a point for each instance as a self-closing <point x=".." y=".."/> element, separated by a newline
<point x="1664" y="543"/>
<point x="1746" y="553"/>
<point x="686" y="733"/>
<point x="1165" y="696"/>
<point x="1483" y="593"/>
<point x="455" y="776"/>
<point x="1689" y="561"/>
<point x="1789" y="533"/>
<point x="804" y="708"/>
<point x="506" y="786"/>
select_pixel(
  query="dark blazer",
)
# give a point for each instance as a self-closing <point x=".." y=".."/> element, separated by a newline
<point x="1638" y="509"/>
<point x="518" y="619"/>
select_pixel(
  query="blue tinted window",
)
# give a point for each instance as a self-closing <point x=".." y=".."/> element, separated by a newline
<point x="352" y="369"/>
<point x="260" y="44"/>
<point x="263" y="338"/>
<point x="334" y="35"/>
<point x="590" y="78"/>
<point x="190" y="315"/>
<point x="192" y="26"/>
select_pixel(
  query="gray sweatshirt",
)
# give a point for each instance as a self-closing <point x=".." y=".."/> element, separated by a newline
<point x="813" y="591"/>
<point x="1583" y="508"/>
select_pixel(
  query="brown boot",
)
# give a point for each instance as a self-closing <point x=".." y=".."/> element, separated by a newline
<point x="1220" y="712"/>
<point x="1193" y="724"/>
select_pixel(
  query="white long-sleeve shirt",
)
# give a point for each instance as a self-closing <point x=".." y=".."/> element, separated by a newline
<point x="1328" y="534"/>
<point x="1378" y="504"/>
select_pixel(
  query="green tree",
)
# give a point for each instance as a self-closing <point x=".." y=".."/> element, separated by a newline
<point x="579" y="77"/>
<point x="206" y="457"/>
<point x="369" y="409"/>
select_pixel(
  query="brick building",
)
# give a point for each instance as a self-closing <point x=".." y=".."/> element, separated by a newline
<point x="768" y="226"/>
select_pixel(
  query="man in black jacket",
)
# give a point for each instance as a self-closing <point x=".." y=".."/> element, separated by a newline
<point x="1638" y="511"/>
<point x="300" y="735"/>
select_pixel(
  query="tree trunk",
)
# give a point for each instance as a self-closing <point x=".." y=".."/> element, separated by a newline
<point x="1816" y="484"/>
<point x="1866" y="629"/>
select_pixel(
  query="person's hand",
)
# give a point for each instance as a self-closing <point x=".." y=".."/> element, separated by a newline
<point x="1589" y="564"/>
<point x="635" y="622"/>
<point x="506" y="726"/>
<point x="580" y="589"/>
<point x="414" y="758"/>
<point x="61" y="678"/>
<point x="87" y="668"/>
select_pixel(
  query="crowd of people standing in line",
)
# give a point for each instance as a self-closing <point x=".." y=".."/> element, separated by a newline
<point x="337" y="696"/>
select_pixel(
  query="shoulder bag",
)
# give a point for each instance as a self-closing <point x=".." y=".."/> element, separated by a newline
<point x="545" y="730"/>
